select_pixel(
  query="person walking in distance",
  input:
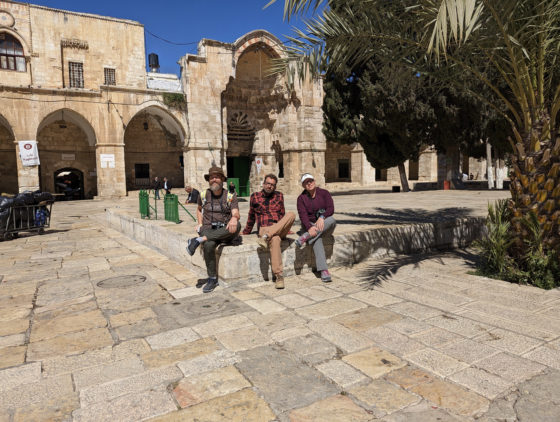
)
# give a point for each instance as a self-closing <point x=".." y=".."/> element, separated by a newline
<point x="273" y="223"/>
<point x="315" y="208"/>
<point x="156" y="186"/>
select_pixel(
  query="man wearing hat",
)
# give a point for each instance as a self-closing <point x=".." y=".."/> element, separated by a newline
<point x="218" y="222"/>
<point x="315" y="208"/>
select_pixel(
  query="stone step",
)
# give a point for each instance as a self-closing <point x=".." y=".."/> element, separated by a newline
<point x="248" y="263"/>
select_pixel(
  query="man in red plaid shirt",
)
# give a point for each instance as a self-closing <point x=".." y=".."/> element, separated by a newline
<point x="273" y="223"/>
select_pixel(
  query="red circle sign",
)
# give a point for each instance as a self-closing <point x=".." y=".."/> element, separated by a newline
<point x="28" y="146"/>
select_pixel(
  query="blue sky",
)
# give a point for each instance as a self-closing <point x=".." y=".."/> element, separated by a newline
<point x="186" y="21"/>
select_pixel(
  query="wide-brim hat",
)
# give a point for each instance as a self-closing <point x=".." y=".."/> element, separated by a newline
<point x="215" y="170"/>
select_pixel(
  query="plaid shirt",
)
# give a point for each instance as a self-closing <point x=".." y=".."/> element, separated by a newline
<point x="266" y="210"/>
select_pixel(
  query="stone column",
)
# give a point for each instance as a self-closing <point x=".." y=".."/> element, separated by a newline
<point x="428" y="167"/>
<point x="28" y="177"/>
<point x="357" y="165"/>
<point x="111" y="176"/>
<point x="197" y="161"/>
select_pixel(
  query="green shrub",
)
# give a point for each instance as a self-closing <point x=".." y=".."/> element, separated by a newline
<point x="494" y="249"/>
<point x="532" y="264"/>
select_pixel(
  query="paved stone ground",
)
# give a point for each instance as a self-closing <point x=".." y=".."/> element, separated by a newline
<point x="96" y="327"/>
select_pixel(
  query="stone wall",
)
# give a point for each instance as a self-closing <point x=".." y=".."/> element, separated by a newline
<point x="334" y="154"/>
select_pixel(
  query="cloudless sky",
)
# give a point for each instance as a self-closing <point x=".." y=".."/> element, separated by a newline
<point x="186" y="21"/>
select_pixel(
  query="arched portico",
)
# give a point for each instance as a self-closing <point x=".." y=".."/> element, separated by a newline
<point x="8" y="158"/>
<point x="153" y="146"/>
<point x="252" y="101"/>
<point x="66" y="139"/>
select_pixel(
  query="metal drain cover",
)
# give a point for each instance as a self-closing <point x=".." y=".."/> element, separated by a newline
<point x="121" y="281"/>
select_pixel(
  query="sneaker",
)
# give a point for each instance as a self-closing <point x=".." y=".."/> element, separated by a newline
<point x="201" y="282"/>
<point x="263" y="242"/>
<point x="279" y="281"/>
<point x="326" y="276"/>
<point x="300" y="241"/>
<point x="210" y="285"/>
<point x="192" y="244"/>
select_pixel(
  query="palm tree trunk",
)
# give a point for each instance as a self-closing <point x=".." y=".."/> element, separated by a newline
<point x="535" y="185"/>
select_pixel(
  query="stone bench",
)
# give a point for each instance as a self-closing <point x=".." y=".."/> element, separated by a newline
<point x="248" y="263"/>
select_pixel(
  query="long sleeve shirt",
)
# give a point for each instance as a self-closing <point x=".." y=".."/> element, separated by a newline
<point x="307" y="206"/>
<point x="265" y="210"/>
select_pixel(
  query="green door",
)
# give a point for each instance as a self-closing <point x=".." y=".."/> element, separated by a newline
<point x="240" y="168"/>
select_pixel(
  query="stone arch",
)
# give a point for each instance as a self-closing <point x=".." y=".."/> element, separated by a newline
<point x="259" y="36"/>
<point x="66" y="139"/>
<point x="153" y="146"/>
<point x="258" y="98"/>
<point x="8" y="158"/>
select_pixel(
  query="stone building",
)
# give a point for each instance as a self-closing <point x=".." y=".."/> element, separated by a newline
<point x="77" y="84"/>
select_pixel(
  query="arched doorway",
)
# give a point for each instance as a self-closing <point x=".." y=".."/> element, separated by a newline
<point x="252" y="100"/>
<point x="66" y="143"/>
<point x="8" y="159"/>
<point x="70" y="182"/>
<point x="153" y="146"/>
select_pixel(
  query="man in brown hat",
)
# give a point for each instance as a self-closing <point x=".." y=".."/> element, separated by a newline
<point x="218" y="222"/>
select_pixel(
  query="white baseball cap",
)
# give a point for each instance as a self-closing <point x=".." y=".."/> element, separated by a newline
<point x="306" y="176"/>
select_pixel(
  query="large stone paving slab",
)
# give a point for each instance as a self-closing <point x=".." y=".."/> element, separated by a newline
<point x="241" y="406"/>
<point x="295" y="384"/>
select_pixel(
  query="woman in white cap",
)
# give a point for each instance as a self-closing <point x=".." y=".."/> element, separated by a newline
<point x="315" y="208"/>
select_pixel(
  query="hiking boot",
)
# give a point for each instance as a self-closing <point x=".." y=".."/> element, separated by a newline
<point x="201" y="282"/>
<point x="326" y="276"/>
<point x="300" y="241"/>
<point x="210" y="285"/>
<point x="263" y="242"/>
<point x="279" y="281"/>
<point x="192" y="244"/>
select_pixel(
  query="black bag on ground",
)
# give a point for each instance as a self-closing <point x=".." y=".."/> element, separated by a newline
<point x="5" y="203"/>
<point x="43" y="197"/>
<point x="25" y="198"/>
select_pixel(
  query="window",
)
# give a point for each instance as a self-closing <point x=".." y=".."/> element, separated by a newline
<point x="11" y="54"/>
<point x="343" y="169"/>
<point x="76" y="74"/>
<point x="142" y="171"/>
<point x="110" y="78"/>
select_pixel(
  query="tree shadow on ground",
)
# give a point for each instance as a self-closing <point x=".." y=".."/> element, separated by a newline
<point x="388" y="216"/>
<point x="383" y="270"/>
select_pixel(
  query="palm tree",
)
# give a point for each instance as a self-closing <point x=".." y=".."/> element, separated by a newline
<point x="516" y="41"/>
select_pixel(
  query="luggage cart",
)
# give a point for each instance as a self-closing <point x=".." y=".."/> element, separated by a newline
<point x="27" y="218"/>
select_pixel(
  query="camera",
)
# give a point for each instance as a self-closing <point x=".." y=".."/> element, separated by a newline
<point x="217" y="225"/>
<point x="320" y="212"/>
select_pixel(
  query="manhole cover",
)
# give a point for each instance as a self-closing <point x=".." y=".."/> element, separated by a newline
<point x="121" y="281"/>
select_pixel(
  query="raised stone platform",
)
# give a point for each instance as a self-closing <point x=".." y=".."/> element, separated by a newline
<point x="247" y="262"/>
<point x="370" y="224"/>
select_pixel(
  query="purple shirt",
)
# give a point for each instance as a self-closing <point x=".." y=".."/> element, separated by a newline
<point x="307" y="207"/>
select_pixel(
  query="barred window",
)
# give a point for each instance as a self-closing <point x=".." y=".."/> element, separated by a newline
<point x="76" y="74"/>
<point x="110" y="78"/>
<point x="11" y="54"/>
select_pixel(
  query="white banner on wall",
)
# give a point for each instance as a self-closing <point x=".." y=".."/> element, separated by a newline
<point x="29" y="153"/>
<point x="258" y="162"/>
<point x="107" y="161"/>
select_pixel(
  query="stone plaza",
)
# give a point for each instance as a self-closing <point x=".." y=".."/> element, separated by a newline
<point x="97" y="327"/>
